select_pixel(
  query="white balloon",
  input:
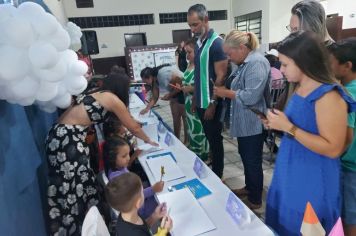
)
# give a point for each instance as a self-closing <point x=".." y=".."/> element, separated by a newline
<point x="53" y="74"/>
<point x="30" y="9"/>
<point x="60" y="39"/>
<point x="63" y="101"/>
<point x="78" y="68"/>
<point x="76" y="85"/>
<point x="44" y="24"/>
<point x="26" y="88"/>
<point x="47" y="91"/>
<point x="26" y="101"/>
<point x="14" y="63"/>
<point x="75" y="34"/>
<point x="7" y="11"/>
<point x="69" y="55"/>
<point x="43" y="55"/>
<point x="18" y="32"/>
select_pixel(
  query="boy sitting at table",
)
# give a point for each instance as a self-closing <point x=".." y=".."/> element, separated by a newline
<point x="125" y="194"/>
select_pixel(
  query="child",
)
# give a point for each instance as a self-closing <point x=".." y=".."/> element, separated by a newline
<point x="125" y="194"/>
<point x="117" y="156"/>
<point x="113" y="127"/>
<point x="343" y="63"/>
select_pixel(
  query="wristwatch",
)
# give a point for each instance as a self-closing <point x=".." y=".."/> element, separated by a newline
<point x="291" y="131"/>
<point x="214" y="102"/>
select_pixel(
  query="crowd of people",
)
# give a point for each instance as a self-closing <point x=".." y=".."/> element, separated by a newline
<point x="316" y="160"/>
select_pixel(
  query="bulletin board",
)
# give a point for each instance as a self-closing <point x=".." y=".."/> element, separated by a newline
<point x="140" y="57"/>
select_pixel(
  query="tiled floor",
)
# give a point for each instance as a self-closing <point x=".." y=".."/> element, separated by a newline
<point x="233" y="170"/>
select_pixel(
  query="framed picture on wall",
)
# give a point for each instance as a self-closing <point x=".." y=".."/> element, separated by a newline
<point x="139" y="57"/>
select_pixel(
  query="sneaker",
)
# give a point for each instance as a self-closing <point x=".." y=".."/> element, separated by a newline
<point x="241" y="192"/>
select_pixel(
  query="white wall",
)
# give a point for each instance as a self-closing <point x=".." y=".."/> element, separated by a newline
<point x="158" y="33"/>
<point x="57" y="9"/>
<point x="279" y="18"/>
<point x="344" y="8"/>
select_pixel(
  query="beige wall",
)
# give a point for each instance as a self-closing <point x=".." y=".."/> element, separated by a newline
<point x="57" y="9"/>
<point x="113" y="37"/>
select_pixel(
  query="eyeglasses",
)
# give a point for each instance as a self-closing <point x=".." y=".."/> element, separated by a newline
<point x="290" y="29"/>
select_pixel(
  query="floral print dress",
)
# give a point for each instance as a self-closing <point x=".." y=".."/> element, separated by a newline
<point x="198" y="143"/>
<point x="71" y="181"/>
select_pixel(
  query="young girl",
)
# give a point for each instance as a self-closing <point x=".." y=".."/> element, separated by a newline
<point x="117" y="156"/>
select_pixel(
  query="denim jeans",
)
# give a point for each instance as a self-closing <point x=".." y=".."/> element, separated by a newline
<point x="250" y="150"/>
<point x="212" y="129"/>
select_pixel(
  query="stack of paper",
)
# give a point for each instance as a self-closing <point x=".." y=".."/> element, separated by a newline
<point x="189" y="218"/>
<point x="171" y="169"/>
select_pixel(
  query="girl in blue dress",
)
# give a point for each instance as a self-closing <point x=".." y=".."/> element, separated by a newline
<point x="315" y="124"/>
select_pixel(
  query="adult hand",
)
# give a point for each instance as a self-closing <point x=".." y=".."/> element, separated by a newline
<point x="277" y="120"/>
<point x="187" y="89"/>
<point x="165" y="97"/>
<point x="209" y="112"/>
<point x="144" y="111"/>
<point x="220" y="91"/>
<point x="158" y="187"/>
<point x="153" y="143"/>
<point x="167" y="223"/>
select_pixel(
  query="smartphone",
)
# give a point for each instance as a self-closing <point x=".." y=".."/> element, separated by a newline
<point x="258" y="113"/>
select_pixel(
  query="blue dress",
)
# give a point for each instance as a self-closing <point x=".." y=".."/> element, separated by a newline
<point x="302" y="175"/>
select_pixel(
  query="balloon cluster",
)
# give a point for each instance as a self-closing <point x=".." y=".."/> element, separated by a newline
<point x="75" y="34"/>
<point x="36" y="65"/>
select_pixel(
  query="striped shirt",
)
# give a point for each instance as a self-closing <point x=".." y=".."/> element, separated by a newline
<point x="251" y="79"/>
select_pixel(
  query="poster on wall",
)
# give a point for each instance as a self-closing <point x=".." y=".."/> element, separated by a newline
<point x="137" y="58"/>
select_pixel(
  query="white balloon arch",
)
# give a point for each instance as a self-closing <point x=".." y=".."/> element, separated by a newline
<point x="36" y="64"/>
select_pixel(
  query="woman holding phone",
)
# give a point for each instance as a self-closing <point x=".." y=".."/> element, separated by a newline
<point x="247" y="90"/>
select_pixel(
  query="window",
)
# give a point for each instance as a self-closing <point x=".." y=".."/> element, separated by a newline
<point x="181" y="17"/>
<point x="112" y="21"/>
<point x="84" y="3"/>
<point x="250" y="22"/>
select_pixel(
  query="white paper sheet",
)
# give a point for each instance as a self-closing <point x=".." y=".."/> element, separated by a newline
<point x="189" y="218"/>
<point x="135" y="102"/>
<point x="171" y="169"/>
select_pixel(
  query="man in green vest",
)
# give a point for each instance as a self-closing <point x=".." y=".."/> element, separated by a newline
<point x="210" y="70"/>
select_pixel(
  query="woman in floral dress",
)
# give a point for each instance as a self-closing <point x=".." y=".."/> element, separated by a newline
<point x="197" y="141"/>
<point x="71" y="181"/>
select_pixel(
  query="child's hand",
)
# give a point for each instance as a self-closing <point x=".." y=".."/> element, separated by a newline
<point x="167" y="223"/>
<point x="160" y="211"/>
<point x="158" y="187"/>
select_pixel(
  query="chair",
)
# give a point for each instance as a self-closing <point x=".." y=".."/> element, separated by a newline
<point x="94" y="224"/>
<point x="277" y="88"/>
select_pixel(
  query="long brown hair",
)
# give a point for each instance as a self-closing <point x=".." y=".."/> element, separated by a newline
<point x="309" y="54"/>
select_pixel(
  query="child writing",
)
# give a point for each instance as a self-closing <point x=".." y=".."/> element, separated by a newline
<point x="117" y="156"/>
<point x="125" y="194"/>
